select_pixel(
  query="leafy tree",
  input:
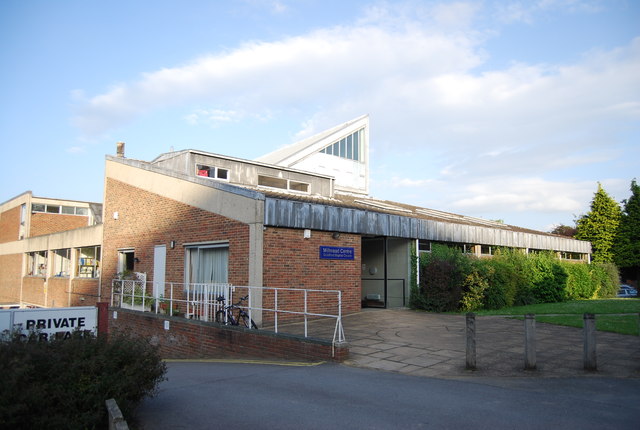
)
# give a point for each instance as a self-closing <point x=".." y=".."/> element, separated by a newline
<point x="564" y="230"/>
<point x="627" y="243"/>
<point x="600" y="226"/>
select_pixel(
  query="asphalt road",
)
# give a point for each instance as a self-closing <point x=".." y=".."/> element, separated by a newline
<point x="329" y="396"/>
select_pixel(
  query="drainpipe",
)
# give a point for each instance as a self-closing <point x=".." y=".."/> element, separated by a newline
<point x="386" y="299"/>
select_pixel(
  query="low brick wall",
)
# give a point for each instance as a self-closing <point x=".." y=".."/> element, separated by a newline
<point x="197" y="339"/>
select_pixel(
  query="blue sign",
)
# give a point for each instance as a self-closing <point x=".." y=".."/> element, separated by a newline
<point x="337" y="253"/>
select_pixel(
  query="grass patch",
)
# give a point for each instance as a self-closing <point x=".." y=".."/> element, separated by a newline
<point x="604" y="306"/>
<point x="571" y="313"/>
<point x="623" y="324"/>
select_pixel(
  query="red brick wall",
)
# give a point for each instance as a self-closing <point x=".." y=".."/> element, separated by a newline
<point x="33" y="290"/>
<point x="293" y="262"/>
<point x="196" y="339"/>
<point x="44" y="223"/>
<point x="10" y="278"/>
<point x="58" y="292"/>
<point x="10" y="225"/>
<point x="146" y="219"/>
<point x="87" y="289"/>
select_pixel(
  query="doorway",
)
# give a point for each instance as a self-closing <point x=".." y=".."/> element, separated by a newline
<point x="386" y="271"/>
<point x="159" y="269"/>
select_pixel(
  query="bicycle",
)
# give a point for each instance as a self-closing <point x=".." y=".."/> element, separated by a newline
<point x="226" y="315"/>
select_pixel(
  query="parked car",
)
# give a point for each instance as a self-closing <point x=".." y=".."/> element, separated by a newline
<point x="627" y="291"/>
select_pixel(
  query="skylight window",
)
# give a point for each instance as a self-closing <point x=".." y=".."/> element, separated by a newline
<point x="349" y="147"/>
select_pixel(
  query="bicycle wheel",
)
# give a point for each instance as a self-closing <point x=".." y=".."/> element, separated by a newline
<point x="247" y="322"/>
<point x="220" y="317"/>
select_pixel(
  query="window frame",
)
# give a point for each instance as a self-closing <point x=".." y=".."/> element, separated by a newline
<point x="215" y="172"/>
<point x="93" y="268"/>
<point x="61" y="263"/>
<point x="189" y="268"/>
<point x="37" y="263"/>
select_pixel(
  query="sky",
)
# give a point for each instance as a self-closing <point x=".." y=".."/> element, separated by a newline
<point x="503" y="110"/>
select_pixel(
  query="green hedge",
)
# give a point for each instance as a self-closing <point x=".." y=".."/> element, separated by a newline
<point x="64" y="383"/>
<point x="452" y="281"/>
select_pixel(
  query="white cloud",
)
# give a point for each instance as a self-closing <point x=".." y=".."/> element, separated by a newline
<point x="498" y="136"/>
<point x="213" y="117"/>
<point x="76" y="150"/>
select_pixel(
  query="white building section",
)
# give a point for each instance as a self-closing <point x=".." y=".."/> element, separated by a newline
<point x="341" y="152"/>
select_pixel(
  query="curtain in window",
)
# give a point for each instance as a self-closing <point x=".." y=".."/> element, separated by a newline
<point x="208" y="265"/>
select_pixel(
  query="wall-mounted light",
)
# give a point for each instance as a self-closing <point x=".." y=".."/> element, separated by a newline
<point x="172" y="244"/>
<point x="136" y="259"/>
<point x="307" y="233"/>
<point x="335" y="235"/>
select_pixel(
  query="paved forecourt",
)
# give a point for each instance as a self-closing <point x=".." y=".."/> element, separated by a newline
<point x="428" y="344"/>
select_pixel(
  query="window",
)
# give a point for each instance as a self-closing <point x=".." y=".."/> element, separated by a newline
<point x="424" y="246"/>
<point x="89" y="262"/>
<point x="269" y="181"/>
<point x="37" y="263"/>
<point x="23" y="213"/>
<point x="126" y="260"/>
<point x="571" y="256"/>
<point x="284" y="184"/>
<point x="349" y="147"/>
<point x="298" y="186"/>
<point x="207" y="264"/>
<point x="212" y="172"/>
<point x="57" y="209"/>
<point x="61" y="262"/>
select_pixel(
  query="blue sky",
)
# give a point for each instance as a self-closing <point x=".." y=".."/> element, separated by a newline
<point x="509" y="110"/>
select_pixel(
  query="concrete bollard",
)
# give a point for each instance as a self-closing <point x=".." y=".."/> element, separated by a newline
<point x="471" y="341"/>
<point x="529" y="341"/>
<point x="589" y="332"/>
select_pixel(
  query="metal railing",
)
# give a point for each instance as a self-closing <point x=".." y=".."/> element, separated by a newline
<point x="281" y="310"/>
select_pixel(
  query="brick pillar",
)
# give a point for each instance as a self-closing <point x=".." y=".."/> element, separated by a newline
<point x="103" y="318"/>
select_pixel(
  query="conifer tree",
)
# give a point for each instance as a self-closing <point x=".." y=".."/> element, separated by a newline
<point x="600" y="226"/>
<point x="627" y="243"/>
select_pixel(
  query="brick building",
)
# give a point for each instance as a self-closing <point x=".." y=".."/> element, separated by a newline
<point x="299" y="217"/>
<point x="49" y="251"/>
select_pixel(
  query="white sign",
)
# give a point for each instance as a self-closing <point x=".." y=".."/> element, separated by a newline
<point x="51" y="322"/>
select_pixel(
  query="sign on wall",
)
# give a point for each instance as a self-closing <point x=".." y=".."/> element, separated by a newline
<point x="51" y="322"/>
<point x="337" y="253"/>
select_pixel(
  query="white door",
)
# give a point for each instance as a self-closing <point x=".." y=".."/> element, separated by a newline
<point x="159" y="263"/>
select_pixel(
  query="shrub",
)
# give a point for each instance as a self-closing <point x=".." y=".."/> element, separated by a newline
<point x="450" y="280"/>
<point x="64" y="383"/>
<point x="549" y="279"/>
<point x="473" y="287"/>
<point x="442" y="272"/>
<point x="606" y="279"/>
<point x="580" y="285"/>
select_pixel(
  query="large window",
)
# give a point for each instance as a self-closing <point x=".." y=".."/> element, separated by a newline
<point x="207" y="263"/>
<point x="89" y="262"/>
<point x="57" y="209"/>
<point x="37" y="263"/>
<point x="61" y="262"/>
<point x="349" y="147"/>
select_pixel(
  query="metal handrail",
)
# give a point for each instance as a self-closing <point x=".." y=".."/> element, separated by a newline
<point x="200" y="301"/>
